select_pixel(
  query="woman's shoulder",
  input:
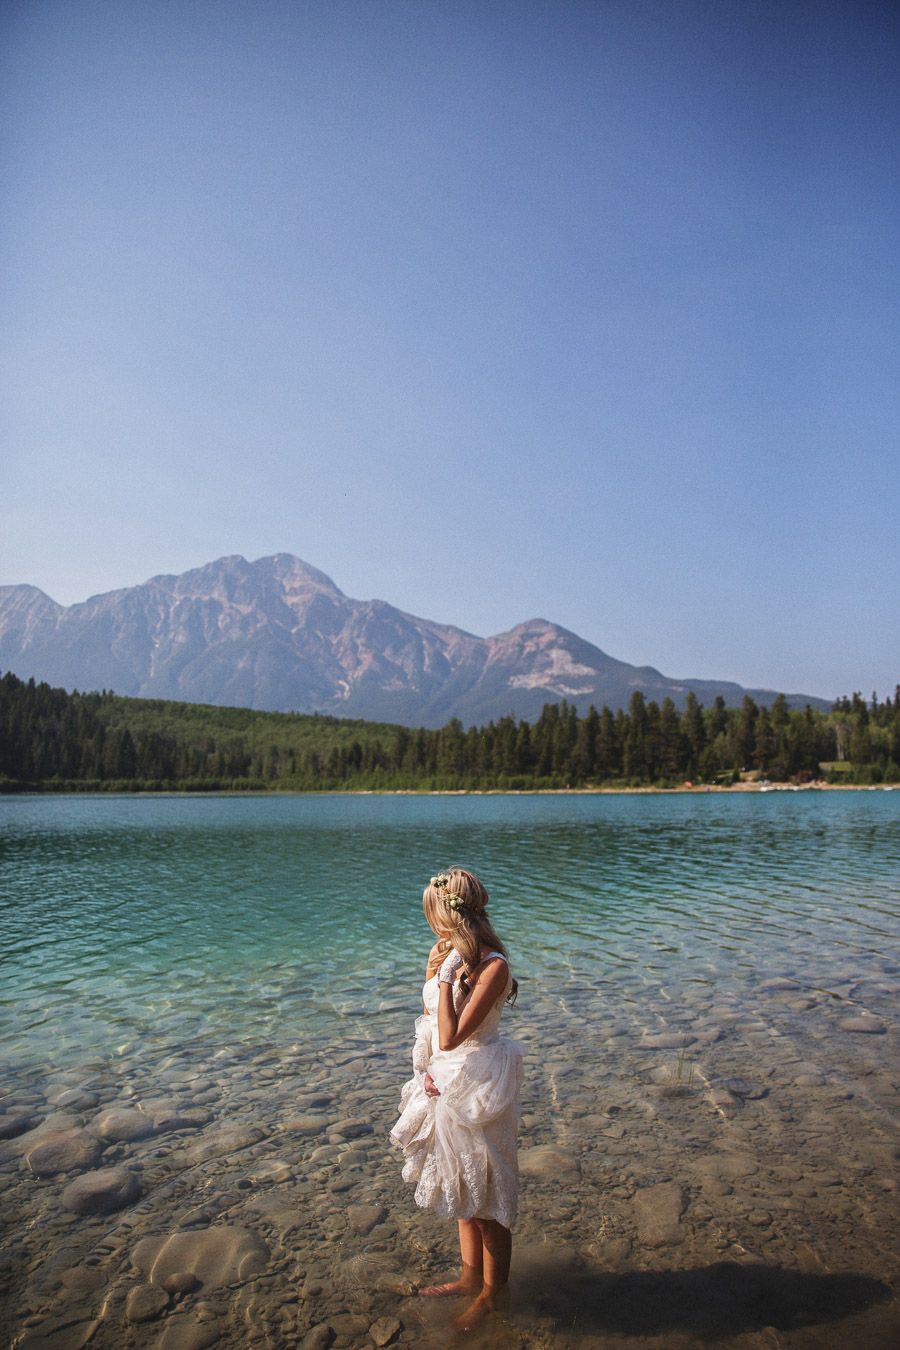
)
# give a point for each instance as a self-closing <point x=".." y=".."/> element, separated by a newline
<point x="489" y="966"/>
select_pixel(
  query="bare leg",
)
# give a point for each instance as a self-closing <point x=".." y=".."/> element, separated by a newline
<point x="472" y="1251"/>
<point x="496" y="1244"/>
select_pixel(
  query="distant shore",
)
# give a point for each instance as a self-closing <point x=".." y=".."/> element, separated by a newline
<point x="614" y="791"/>
<point x="648" y="790"/>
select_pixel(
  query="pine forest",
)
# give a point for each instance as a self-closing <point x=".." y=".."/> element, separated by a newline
<point x="52" y="740"/>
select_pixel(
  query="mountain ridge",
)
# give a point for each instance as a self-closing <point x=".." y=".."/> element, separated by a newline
<point x="278" y="634"/>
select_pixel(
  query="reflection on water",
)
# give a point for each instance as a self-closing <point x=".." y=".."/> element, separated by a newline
<point x="708" y="997"/>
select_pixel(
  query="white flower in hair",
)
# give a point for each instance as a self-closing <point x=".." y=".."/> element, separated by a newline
<point x="441" y="883"/>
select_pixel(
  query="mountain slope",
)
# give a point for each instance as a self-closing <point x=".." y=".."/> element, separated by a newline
<point x="278" y="634"/>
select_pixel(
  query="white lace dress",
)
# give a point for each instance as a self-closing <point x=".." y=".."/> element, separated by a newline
<point x="460" y="1147"/>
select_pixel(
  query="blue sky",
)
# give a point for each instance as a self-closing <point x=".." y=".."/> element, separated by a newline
<point x="586" y="311"/>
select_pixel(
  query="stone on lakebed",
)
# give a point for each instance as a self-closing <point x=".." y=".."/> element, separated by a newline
<point x="101" y="1192"/>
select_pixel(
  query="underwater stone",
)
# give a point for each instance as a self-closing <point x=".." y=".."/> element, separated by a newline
<point x="123" y="1125"/>
<point x="67" y="1151"/>
<point x="145" y="1302"/>
<point x="869" y="1025"/>
<point x="215" y="1256"/>
<point x="101" y="1192"/>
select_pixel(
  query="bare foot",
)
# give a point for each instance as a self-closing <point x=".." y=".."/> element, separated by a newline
<point x="475" y="1314"/>
<point x="455" y="1289"/>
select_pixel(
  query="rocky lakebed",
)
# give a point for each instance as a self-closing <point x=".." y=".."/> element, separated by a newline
<point x="697" y="1169"/>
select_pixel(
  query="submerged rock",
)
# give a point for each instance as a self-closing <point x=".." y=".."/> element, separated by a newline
<point x="66" y="1151"/>
<point x="184" y="1333"/>
<point x="363" y="1218"/>
<point x="667" y="1040"/>
<point x="657" y="1212"/>
<point x="145" y="1302"/>
<point x="546" y="1161"/>
<point x="384" y="1330"/>
<point x="866" y="1025"/>
<point x="68" y="1332"/>
<point x="226" y="1141"/>
<point x="741" y="1087"/>
<point x="101" y="1192"/>
<point x="305" y="1125"/>
<point x="215" y="1256"/>
<point x="12" y="1126"/>
<point x="122" y="1125"/>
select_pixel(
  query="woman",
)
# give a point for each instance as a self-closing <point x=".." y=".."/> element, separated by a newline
<point x="459" y="1112"/>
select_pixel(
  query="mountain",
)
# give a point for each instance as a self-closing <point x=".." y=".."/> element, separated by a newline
<point x="278" y="634"/>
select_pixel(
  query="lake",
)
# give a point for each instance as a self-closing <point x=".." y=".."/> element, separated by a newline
<point x="199" y="991"/>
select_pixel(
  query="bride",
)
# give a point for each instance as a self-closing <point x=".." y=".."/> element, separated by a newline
<point x="459" y="1112"/>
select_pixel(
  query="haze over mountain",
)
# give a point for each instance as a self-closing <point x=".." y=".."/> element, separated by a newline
<point x="278" y="634"/>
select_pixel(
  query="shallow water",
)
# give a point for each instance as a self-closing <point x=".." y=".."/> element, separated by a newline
<point x="707" y="1152"/>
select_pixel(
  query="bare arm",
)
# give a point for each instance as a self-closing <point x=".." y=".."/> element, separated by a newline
<point x="488" y="984"/>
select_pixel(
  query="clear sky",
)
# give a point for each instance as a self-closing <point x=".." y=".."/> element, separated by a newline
<point x="493" y="309"/>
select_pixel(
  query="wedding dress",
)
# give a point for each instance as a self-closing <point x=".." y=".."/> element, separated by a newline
<point x="460" y="1147"/>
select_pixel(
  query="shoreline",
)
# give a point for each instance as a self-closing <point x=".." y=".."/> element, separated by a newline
<point x="649" y="790"/>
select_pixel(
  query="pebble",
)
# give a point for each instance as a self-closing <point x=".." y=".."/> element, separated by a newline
<point x="318" y="1338"/>
<point x="12" y="1126"/>
<point x="181" y="1282"/>
<point x="305" y="1125"/>
<point x="667" y="1040"/>
<point x="741" y="1087"/>
<point x="363" y="1218"/>
<point x="122" y="1125"/>
<point x="145" y="1302"/>
<point x="83" y="1279"/>
<point x="727" y="1166"/>
<point x="828" y="1178"/>
<point x="351" y="1129"/>
<point x="166" y="1114"/>
<point x="393" y="1282"/>
<point x="867" y="1025"/>
<point x="315" y="1286"/>
<point x="68" y="1332"/>
<point x="349" y="1324"/>
<point x="72" y="1099"/>
<point x="760" y="1218"/>
<point x="225" y="1142"/>
<point x="272" y="1170"/>
<point x="546" y="1161"/>
<point x="183" y="1333"/>
<point x="67" y="1151"/>
<point x="657" y="1212"/>
<point x="770" y="986"/>
<point x="384" y="1330"/>
<point x="101" y="1192"/>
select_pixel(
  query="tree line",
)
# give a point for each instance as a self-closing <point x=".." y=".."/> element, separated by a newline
<point x="52" y="740"/>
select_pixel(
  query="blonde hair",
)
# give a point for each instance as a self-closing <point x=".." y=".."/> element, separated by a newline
<point x="455" y="904"/>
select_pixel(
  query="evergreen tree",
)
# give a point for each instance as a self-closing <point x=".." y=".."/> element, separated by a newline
<point x="694" y="733"/>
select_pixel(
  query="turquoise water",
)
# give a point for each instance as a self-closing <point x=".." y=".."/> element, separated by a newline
<point x="708" y="996"/>
<point x="192" y="918"/>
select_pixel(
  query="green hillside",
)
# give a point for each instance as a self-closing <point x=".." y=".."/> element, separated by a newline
<point x="51" y="740"/>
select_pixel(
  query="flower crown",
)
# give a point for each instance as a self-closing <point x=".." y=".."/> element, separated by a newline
<point x="442" y="883"/>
